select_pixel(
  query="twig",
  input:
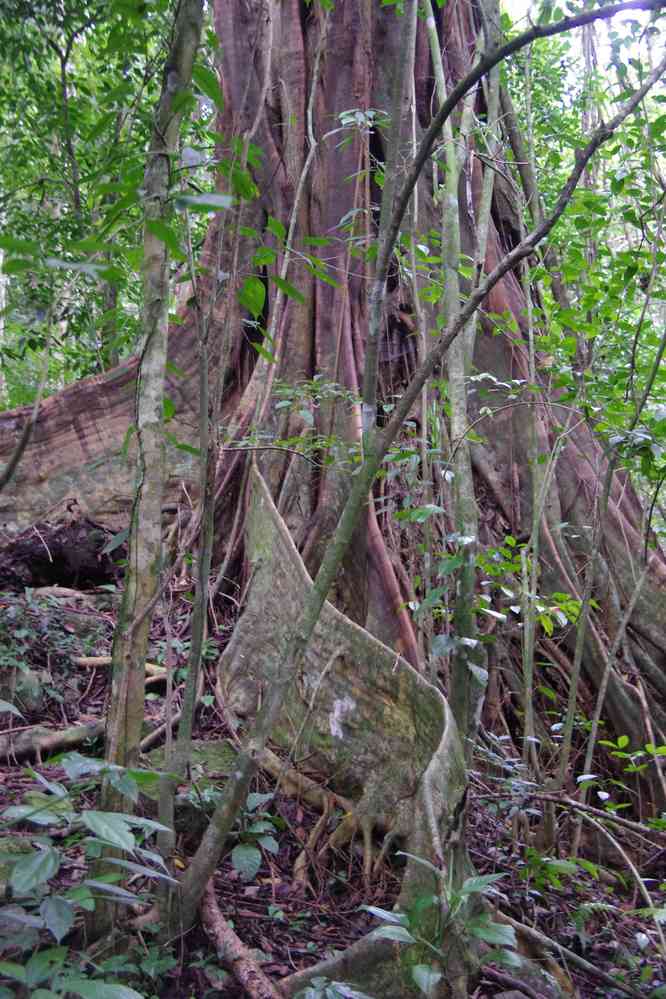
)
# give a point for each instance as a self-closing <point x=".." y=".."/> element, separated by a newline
<point x="635" y="874"/>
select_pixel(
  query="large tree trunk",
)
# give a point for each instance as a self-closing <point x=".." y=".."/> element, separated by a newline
<point x="77" y="450"/>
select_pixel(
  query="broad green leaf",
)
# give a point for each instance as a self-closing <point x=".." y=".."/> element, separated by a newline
<point x="207" y="82"/>
<point x="264" y="256"/>
<point x="269" y="843"/>
<point x="252" y="296"/>
<point x="118" y="894"/>
<point x="426" y="978"/>
<point x="421" y="861"/>
<point x="16" y="265"/>
<point x="112" y="828"/>
<point x="7" y="708"/>
<point x="442" y="645"/>
<point x="396" y="918"/>
<point x="43" y="964"/>
<point x="257" y="800"/>
<point x="498" y="934"/>
<point x="262" y="826"/>
<point x="34" y="870"/>
<point x="478" y="884"/>
<point x="509" y="958"/>
<point x="148" y="825"/>
<point x="398" y="933"/>
<point x="148" y="872"/>
<point x="58" y="916"/>
<point x="276" y="227"/>
<point x="99" y="990"/>
<point x="246" y="860"/>
<point x="166" y="235"/>
<point x="288" y="289"/>
<point x="12" y="970"/>
<point x="116" y="541"/>
<point x="14" y="245"/>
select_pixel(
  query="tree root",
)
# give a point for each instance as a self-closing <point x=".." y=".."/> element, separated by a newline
<point x="296" y="784"/>
<point x="232" y="952"/>
<point x="301" y="863"/>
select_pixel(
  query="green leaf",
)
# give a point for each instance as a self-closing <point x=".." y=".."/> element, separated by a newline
<point x="168" y="408"/>
<point x="58" y="916"/>
<point x="12" y="970"/>
<point x="426" y="978"/>
<point x="34" y="869"/>
<point x="167" y="236"/>
<point x="182" y="445"/>
<point x="99" y="990"/>
<point x="252" y="296"/>
<point x="43" y="964"/>
<point x="147" y="872"/>
<point x="498" y="934"/>
<point x="419" y="514"/>
<point x="269" y="843"/>
<point x="275" y="226"/>
<point x="6" y="707"/>
<point x="288" y="289"/>
<point x="14" y="245"/>
<point x="450" y="564"/>
<point x="116" y="541"/>
<point x="263" y="352"/>
<point x="110" y="827"/>
<point x="395" y="918"/>
<point x="16" y="265"/>
<point x="478" y="884"/>
<point x="246" y="860"/>
<point x="257" y="800"/>
<point x="117" y="893"/>
<point x="442" y="645"/>
<point x="207" y="82"/>
<point x="398" y="933"/>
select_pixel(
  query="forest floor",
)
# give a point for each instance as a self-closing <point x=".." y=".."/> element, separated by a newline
<point x="290" y="916"/>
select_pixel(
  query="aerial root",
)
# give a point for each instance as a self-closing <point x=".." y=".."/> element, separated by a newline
<point x="302" y="861"/>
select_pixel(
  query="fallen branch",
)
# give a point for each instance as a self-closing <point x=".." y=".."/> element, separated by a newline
<point x="232" y="952"/>
<point x="41" y="741"/>
<point x="635" y="827"/>
<point x="92" y="662"/>
<point x="155" y="737"/>
<point x="509" y="982"/>
<point x="535" y="936"/>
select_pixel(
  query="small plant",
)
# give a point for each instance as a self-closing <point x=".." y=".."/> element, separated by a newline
<point x="545" y="872"/>
<point x="40" y="911"/>
<point x="448" y="908"/>
<point x="322" y="988"/>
